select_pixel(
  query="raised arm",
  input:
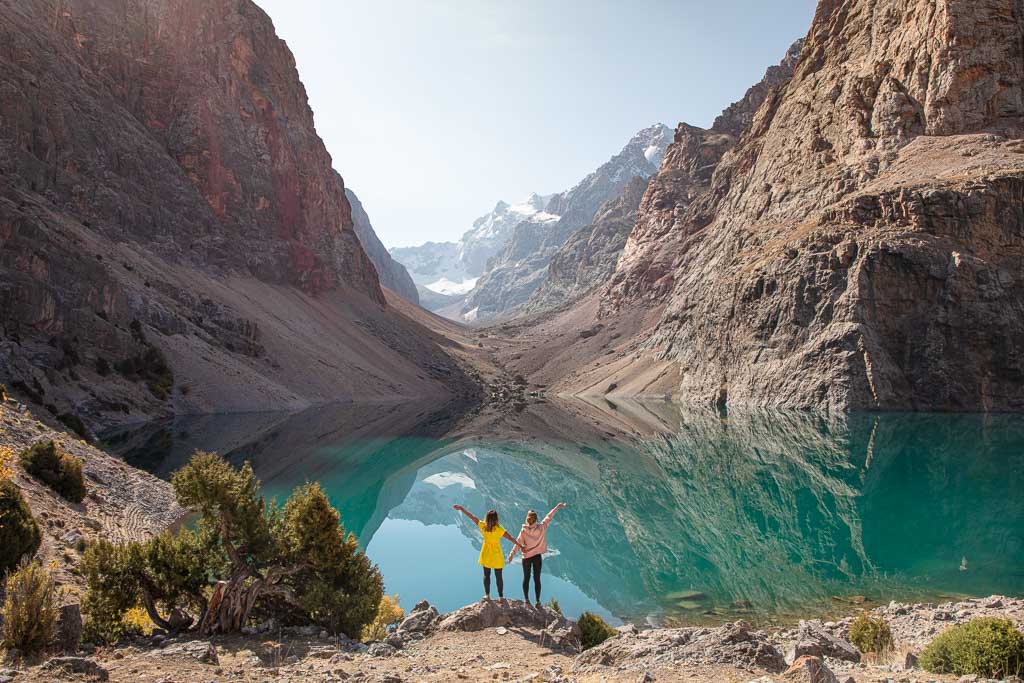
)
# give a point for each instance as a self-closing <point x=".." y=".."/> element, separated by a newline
<point x="547" y="520"/>
<point x="467" y="513"/>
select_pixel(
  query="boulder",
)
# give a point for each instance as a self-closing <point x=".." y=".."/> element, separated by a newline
<point x="420" y="620"/>
<point x="802" y="648"/>
<point x="831" y="645"/>
<point x="909" y="661"/>
<point x="69" y="628"/>
<point x="379" y="649"/>
<point x="200" y="650"/>
<point x="77" y="665"/>
<point x="492" y="613"/>
<point x="733" y="644"/>
<point x="808" y="669"/>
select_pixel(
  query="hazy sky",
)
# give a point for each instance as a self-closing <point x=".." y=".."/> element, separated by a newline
<point x="435" y="109"/>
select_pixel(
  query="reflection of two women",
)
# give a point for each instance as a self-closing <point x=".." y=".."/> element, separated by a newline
<point x="532" y="541"/>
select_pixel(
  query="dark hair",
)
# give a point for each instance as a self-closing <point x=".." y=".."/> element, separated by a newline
<point x="490" y="520"/>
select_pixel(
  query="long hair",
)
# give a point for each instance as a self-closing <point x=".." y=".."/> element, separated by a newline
<point x="490" y="520"/>
<point x="531" y="517"/>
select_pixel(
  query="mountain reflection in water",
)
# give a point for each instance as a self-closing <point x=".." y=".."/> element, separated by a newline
<point x="674" y="514"/>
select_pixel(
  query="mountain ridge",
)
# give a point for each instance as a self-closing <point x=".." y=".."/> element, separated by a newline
<point x="173" y="236"/>
<point x="842" y="254"/>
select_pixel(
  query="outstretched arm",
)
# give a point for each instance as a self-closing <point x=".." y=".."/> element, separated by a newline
<point x="551" y="514"/>
<point x="514" y="541"/>
<point x="466" y="512"/>
<point x="517" y="546"/>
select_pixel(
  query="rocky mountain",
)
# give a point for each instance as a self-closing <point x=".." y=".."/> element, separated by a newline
<point x="860" y="247"/>
<point x="519" y="268"/>
<point x="452" y="268"/>
<point x="391" y="273"/>
<point x="173" y="237"/>
<point x="588" y="257"/>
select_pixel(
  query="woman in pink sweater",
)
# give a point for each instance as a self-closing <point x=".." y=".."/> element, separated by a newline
<point x="533" y="539"/>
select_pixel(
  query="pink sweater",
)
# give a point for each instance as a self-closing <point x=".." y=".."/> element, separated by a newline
<point x="533" y="537"/>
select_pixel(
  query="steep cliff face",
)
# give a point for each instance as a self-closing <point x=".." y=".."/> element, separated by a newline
<point x="862" y="247"/>
<point x="391" y="273"/>
<point x="519" y="268"/>
<point x="172" y="234"/>
<point x="588" y="257"/>
<point x="215" y="141"/>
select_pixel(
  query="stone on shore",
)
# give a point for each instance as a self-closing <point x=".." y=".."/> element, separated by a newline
<point x="813" y="633"/>
<point x="733" y="644"/>
<point x="809" y="669"/>
<point x="77" y="665"/>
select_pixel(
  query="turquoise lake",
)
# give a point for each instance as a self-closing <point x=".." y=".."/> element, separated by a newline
<point x="675" y="515"/>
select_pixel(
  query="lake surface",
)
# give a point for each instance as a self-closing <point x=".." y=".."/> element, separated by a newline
<point x="675" y="515"/>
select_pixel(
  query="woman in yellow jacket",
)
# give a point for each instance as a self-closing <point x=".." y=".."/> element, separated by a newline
<point x="491" y="556"/>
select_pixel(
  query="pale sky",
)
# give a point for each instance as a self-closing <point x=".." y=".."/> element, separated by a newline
<point x="433" y="110"/>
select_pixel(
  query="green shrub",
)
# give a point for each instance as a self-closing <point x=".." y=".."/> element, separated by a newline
<point x="169" y="571"/>
<point x="151" y="367"/>
<point x="989" y="647"/>
<point x="296" y="563"/>
<point x="593" y="630"/>
<point x="61" y="471"/>
<point x="19" y="533"/>
<point x="75" y="424"/>
<point x="30" y="609"/>
<point x="554" y="606"/>
<point x="870" y="634"/>
<point x="388" y="614"/>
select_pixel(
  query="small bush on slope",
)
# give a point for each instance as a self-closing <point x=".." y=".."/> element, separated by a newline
<point x="59" y="470"/>
<point x="594" y="630"/>
<point x="989" y="647"/>
<point x="388" y="614"/>
<point x="870" y="634"/>
<point x="30" y="609"/>
<point x="19" y="533"/>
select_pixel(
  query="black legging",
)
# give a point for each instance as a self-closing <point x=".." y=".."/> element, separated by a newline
<point x="498" y="580"/>
<point x="535" y="562"/>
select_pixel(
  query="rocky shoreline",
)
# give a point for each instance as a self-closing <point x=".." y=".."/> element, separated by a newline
<point x="514" y="641"/>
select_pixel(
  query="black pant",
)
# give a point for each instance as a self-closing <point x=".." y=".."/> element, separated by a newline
<point x="532" y="562"/>
<point x="498" y="580"/>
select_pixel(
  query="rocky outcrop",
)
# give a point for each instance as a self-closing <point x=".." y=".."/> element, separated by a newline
<point x="424" y="620"/>
<point x="181" y="126"/>
<point x="679" y="198"/>
<point x="173" y="237"/>
<point x="392" y="274"/>
<point x="733" y="644"/>
<point x="861" y="246"/>
<point x="520" y="267"/>
<point x="588" y="258"/>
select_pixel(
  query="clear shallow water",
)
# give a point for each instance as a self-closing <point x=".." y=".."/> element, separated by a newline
<point x="674" y="515"/>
